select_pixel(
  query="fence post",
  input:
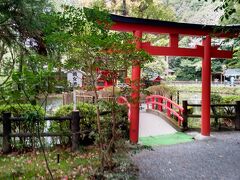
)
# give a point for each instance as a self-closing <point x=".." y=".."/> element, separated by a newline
<point x="6" y="133"/>
<point x="177" y="97"/>
<point x="237" y="110"/>
<point x="185" y="114"/>
<point x="75" y="129"/>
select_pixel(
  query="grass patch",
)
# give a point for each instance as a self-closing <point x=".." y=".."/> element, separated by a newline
<point x="221" y="89"/>
<point x="32" y="165"/>
<point x="167" y="139"/>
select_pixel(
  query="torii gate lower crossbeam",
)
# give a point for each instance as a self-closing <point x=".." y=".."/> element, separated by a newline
<point x="206" y="52"/>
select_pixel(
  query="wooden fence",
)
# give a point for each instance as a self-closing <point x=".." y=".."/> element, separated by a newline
<point x="215" y="114"/>
<point x="68" y="98"/>
<point x="74" y="129"/>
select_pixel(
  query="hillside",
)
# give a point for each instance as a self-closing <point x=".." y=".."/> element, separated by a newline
<point x="195" y="11"/>
<point x="190" y="11"/>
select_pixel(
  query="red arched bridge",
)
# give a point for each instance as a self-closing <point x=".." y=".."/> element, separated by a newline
<point x="162" y="103"/>
<point x="156" y="103"/>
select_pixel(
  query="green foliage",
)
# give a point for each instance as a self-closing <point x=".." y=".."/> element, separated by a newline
<point x="21" y="110"/>
<point x="216" y="98"/>
<point x="33" y="123"/>
<point x="88" y="128"/>
<point x="230" y="99"/>
<point x="87" y="124"/>
<point x="214" y="89"/>
<point x="162" y="89"/>
<point x="152" y="10"/>
<point x="122" y="123"/>
<point x="21" y="19"/>
<point x="186" y="68"/>
<point x="154" y="68"/>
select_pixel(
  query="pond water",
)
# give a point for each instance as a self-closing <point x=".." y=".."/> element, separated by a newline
<point x="52" y="104"/>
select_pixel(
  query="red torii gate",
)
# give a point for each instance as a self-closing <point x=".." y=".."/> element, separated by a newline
<point x="139" y="26"/>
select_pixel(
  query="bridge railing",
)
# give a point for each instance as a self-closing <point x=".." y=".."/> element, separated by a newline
<point x="163" y="104"/>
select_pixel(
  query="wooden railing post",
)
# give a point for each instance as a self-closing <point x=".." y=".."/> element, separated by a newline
<point x="7" y="148"/>
<point x="153" y="102"/>
<point x="237" y="120"/>
<point x="75" y="129"/>
<point x="185" y="114"/>
<point x="168" y="111"/>
<point x="160" y="106"/>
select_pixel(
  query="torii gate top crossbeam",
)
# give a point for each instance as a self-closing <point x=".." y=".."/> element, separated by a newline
<point x="130" y="24"/>
<point x="174" y="29"/>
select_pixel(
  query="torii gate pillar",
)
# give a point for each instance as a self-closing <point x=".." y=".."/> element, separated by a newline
<point x="135" y="85"/>
<point x="206" y="87"/>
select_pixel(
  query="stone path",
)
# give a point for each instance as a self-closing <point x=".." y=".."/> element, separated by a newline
<point x="152" y="125"/>
<point x="215" y="158"/>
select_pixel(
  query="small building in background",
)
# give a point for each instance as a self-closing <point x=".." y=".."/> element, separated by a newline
<point x="217" y="77"/>
<point x="169" y="72"/>
<point x="232" y="75"/>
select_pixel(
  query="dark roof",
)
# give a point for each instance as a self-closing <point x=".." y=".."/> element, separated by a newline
<point x="154" y="22"/>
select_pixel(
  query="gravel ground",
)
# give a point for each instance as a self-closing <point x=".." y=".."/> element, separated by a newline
<point x="215" y="158"/>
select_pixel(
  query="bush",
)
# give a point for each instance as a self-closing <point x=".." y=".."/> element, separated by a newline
<point x="230" y="99"/>
<point x="108" y="91"/>
<point x="162" y="90"/>
<point x="122" y="123"/>
<point x="88" y="125"/>
<point x="216" y="98"/>
<point x="21" y="110"/>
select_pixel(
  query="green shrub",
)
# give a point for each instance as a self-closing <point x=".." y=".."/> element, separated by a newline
<point x="162" y="90"/>
<point x="88" y="125"/>
<point x="122" y="124"/>
<point x="230" y="99"/>
<point x="216" y="98"/>
<point x="21" y="110"/>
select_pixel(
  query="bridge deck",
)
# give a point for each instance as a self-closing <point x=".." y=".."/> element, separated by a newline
<point x="152" y="125"/>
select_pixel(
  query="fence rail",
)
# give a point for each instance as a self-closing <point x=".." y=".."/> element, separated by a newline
<point x="235" y="116"/>
<point x="74" y="129"/>
<point x="68" y="98"/>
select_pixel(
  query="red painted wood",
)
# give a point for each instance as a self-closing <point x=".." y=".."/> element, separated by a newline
<point x="127" y="27"/>
<point x="174" y="40"/>
<point x="123" y="101"/>
<point x="206" y="87"/>
<point x="188" y="52"/>
<point x="160" y="108"/>
<point x="135" y="85"/>
<point x="168" y="109"/>
<point x="205" y="52"/>
<point x="152" y="100"/>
